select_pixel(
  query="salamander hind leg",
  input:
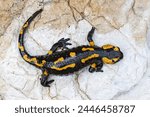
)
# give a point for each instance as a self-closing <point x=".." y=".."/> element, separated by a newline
<point x="90" y="35"/>
<point x="44" y="79"/>
<point x="62" y="43"/>
<point x="96" y="66"/>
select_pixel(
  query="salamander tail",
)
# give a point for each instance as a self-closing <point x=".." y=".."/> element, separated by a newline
<point x="23" y="52"/>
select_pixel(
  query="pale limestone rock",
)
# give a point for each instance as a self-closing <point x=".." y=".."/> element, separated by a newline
<point x="9" y="10"/>
<point x="124" y="23"/>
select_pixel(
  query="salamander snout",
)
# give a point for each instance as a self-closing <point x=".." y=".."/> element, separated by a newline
<point x="121" y="55"/>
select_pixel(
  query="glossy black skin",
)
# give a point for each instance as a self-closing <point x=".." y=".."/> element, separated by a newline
<point x="49" y="63"/>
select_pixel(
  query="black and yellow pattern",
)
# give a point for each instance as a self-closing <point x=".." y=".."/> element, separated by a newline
<point x="69" y="60"/>
<point x="30" y="59"/>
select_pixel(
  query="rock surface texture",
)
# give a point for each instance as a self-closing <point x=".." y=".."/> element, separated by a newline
<point x="125" y="23"/>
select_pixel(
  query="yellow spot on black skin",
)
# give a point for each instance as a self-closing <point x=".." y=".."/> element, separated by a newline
<point x="93" y="65"/>
<point x="108" y="46"/>
<point x="50" y="52"/>
<point x="45" y="73"/>
<point x="65" y="67"/>
<point x="92" y="43"/>
<point x="115" y="59"/>
<point x="89" y="57"/>
<point x="72" y="54"/>
<point x="20" y="47"/>
<point x="25" y="25"/>
<point x="40" y="64"/>
<point x="86" y="49"/>
<point x="116" y="49"/>
<point x="34" y="60"/>
<point x="109" y="61"/>
<point x="26" y="58"/>
<point x="59" y="60"/>
<point x="21" y="31"/>
<point x="43" y="61"/>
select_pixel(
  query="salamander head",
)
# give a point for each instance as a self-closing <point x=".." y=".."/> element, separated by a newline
<point x="112" y="54"/>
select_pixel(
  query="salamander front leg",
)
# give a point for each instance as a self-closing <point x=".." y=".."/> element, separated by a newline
<point x="62" y="43"/>
<point x="96" y="66"/>
<point x="90" y="35"/>
<point x="99" y="67"/>
<point x="44" y="79"/>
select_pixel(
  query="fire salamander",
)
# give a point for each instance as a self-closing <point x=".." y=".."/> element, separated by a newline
<point x="69" y="60"/>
